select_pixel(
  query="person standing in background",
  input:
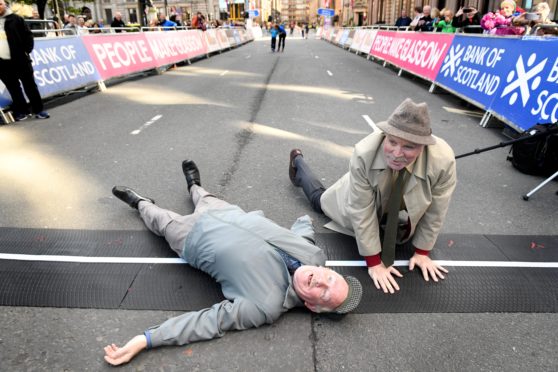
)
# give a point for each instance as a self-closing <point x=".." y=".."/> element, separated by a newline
<point x="16" y="43"/>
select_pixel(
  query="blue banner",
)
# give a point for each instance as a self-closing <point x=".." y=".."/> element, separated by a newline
<point x="61" y="65"/>
<point x="515" y="78"/>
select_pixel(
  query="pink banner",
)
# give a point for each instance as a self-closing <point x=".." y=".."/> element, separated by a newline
<point x="174" y="46"/>
<point x="421" y="53"/>
<point x="211" y="40"/>
<point x="119" y="54"/>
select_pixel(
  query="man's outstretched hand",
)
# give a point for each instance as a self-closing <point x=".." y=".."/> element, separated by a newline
<point x="383" y="277"/>
<point x="429" y="268"/>
<point x="119" y="355"/>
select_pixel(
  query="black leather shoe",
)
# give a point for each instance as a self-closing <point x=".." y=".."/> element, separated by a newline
<point x="191" y="172"/>
<point x="292" y="168"/>
<point x="129" y="196"/>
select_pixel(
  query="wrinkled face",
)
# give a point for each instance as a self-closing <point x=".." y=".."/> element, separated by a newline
<point x="403" y="13"/>
<point x="508" y="9"/>
<point x="426" y="10"/>
<point x="399" y="153"/>
<point x="3" y="7"/>
<point x="320" y="287"/>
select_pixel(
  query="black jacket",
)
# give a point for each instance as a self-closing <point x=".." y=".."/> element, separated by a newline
<point x="20" y="38"/>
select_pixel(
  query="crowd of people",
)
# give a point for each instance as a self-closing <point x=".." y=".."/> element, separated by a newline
<point x="509" y="19"/>
<point x="82" y="24"/>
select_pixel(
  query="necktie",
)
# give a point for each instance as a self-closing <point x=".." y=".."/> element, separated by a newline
<point x="291" y="262"/>
<point x="394" y="204"/>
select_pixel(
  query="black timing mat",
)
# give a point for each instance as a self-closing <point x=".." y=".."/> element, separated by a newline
<point x="179" y="287"/>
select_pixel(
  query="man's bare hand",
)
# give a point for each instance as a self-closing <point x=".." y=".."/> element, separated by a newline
<point x="429" y="268"/>
<point x="383" y="277"/>
<point x="119" y="355"/>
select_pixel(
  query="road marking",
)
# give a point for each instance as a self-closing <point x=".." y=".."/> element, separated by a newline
<point x="329" y="73"/>
<point x="248" y="56"/>
<point x="545" y="265"/>
<point x="316" y="57"/>
<point x="370" y="122"/>
<point x="224" y="73"/>
<point x="87" y="259"/>
<point x="177" y="260"/>
<point x="146" y="124"/>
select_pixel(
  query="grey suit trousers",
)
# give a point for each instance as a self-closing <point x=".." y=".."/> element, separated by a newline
<point x="173" y="226"/>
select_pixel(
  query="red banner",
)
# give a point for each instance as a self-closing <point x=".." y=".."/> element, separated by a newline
<point x="175" y="46"/>
<point x="421" y="53"/>
<point x="119" y="54"/>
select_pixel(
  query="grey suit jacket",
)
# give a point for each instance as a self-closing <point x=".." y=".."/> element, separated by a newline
<point x="238" y="249"/>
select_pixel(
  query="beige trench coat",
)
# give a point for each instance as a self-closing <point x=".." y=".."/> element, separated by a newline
<point x="356" y="202"/>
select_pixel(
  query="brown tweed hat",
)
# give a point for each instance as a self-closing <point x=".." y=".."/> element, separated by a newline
<point x="411" y="122"/>
<point x="353" y="297"/>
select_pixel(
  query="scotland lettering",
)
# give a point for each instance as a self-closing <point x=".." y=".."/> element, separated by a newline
<point x="50" y="68"/>
<point x="514" y="78"/>
<point x="62" y="64"/>
<point x="546" y="105"/>
<point x="468" y="63"/>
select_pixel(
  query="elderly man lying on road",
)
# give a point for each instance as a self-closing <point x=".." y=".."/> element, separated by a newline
<point x="264" y="269"/>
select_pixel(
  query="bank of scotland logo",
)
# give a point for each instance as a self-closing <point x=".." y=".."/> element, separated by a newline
<point x="522" y="81"/>
<point x="452" y="60"/>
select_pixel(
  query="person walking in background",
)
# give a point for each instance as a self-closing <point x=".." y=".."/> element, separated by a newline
<point x="282" y="37"/>
<point x="307" y="28"/>
<point x="16" y="43"/>
<point x="273" y="31"/>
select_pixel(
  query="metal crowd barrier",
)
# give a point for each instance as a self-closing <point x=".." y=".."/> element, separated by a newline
<point x="543" y="27"/>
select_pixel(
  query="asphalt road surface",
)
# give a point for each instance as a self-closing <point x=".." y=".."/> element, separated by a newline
<point x="238" y="114"/>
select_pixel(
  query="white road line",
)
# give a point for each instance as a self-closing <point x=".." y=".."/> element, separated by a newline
<point x="370" y="122"/>
<point x="159" y="260"/>
<point x="224" y="73"/>
<point x="146" y="124"/>
<point x="329" y="73"/>
<point x="547" y="265"/>
<point x="316" y="57"/>
<point x="248" y="56"/>
<point x="87" y="259"/>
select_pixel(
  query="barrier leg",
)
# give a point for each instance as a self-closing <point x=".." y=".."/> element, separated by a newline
<point x="526" y="196"/>
<point x="6" y="117"/>
<point x="485" y="119"/>
<point x="101" y="85"/>
<point x="385" y="63"/>
<point x="400" y="72"/>
<point x="432" y="87"/>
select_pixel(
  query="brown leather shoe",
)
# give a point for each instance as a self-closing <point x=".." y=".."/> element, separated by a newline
<point x="292" y="168"/>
